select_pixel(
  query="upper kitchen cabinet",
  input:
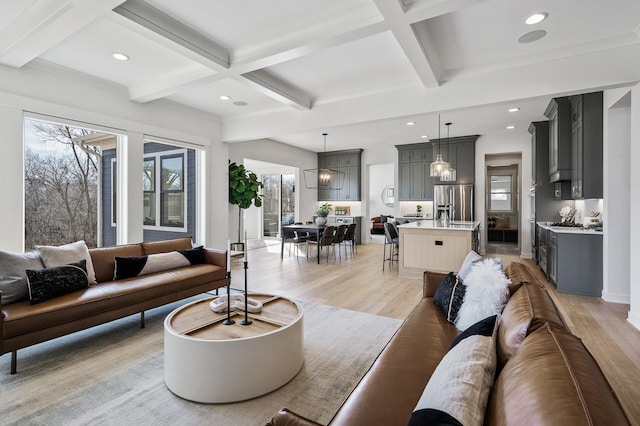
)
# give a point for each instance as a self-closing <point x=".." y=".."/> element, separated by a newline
<point x="347" y="162"/>
<point x="559" y="114"/>
<point x="460" y="153"/>
<point x="586" y="145"/>
<point x="415" y="182"/>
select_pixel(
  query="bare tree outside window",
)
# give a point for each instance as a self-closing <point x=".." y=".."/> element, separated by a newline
<point x="61" y="185"/>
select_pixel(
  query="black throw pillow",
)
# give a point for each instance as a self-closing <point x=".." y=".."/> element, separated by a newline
<point x="47" y="283"/>
<point x="449" y="296"/>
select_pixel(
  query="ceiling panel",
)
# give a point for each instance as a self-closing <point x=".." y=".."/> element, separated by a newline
<point x="207" y="98"/>
<point x="368" y="65"/>
<point x="89" y="51"/>
<point x="11" y="10"/>
<point x="488" y="32"/>
<point x="241" y="23"/>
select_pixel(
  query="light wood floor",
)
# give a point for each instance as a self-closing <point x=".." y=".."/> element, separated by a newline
<point x="358" y="283"/>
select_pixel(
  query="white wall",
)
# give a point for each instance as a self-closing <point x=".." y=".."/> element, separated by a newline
<point x="634" y="195"/>
<point x="380" y="176"/>
<point x="616" y="190"/>
<point x="515" y="142"/>
<point x="35" y="88"/>
<point x="274" y="152"/>
<point x="372" y="157"/>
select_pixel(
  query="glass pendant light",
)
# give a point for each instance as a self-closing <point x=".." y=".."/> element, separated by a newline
<point x="439" y="166"/>
<point x="448" y="175"/>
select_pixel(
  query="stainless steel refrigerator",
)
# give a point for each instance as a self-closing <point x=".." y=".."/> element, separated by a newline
<point x="453" y="201"/>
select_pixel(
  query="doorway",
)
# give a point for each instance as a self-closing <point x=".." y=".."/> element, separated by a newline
<point x="278" y="203"/>
<point x="502" y="205"/>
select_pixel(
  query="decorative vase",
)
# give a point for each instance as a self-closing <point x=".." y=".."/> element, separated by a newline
<point x="321" y="221"/>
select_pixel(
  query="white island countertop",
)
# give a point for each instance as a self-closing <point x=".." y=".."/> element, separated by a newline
<point x="452" y="225"/>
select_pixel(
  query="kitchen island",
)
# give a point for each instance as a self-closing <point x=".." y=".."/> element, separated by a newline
<point x="435" y="245"/>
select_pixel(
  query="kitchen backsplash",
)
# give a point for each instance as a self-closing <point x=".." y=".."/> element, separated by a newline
<point x="585" y="207"/>
<point x="408" y="208"/>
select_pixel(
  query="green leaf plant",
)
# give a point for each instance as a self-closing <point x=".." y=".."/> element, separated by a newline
<point x="244" y="188"/>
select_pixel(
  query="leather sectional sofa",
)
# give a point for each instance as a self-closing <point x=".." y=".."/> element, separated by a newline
<point x="545" y="375"/>
<point x="23" y="324"/>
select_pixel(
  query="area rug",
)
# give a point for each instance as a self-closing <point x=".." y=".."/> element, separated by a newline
<point x="113" y="375"/>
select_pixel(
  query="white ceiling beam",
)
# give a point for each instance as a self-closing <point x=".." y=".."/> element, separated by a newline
<point x="404" y="33"/>
<point x="268" y="57"/>
<point x="427" y="9"/>
<point x="174" y="35"/>
<point x="169" y="84"/>
<point x="44" y="24"/>
<point x="278" y="89"/>
<point x="169" y="28"/>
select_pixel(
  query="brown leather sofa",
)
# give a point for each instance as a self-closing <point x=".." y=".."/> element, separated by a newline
<point x="377" y="227"/>
<point x="23" y="324"/>
<point x="545" y="374"/>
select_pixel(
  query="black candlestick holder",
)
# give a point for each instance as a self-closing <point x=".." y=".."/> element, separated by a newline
<point x="228" y="321"/>
<point x="246" y="320"/>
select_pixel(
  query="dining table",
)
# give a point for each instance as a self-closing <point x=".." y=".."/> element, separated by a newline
<point x="311" y="229"/>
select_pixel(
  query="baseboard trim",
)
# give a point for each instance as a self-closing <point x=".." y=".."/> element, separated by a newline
<point x="634" y="320"/>
<point x="616" y="297"/>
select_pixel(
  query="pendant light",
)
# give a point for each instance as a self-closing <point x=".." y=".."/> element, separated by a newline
<point x="322" y="178"/>
<point x="439" y="166"/>
<point x="448" y="175"/>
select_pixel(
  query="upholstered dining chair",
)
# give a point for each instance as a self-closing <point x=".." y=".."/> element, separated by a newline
<point x="326" y="240"/>
<point x="392" y="240"/>
<point x="350" y="238"/>
<point x="293" y="238"/>
<point x="338" y="238"/>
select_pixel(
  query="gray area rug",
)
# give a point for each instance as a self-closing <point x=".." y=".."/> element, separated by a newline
<point x="113" y="375"/>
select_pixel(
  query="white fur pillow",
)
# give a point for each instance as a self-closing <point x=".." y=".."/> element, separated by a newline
<point x="486" y="293"/>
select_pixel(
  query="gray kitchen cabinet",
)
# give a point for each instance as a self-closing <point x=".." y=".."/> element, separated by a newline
<point x="414" y="161"/>
<point x="348" y="162"/>
<point x="575" y="262"/>
<point x="586" y="145"/>
<point x="415" y="182"/>
<point x="559" y="114"/>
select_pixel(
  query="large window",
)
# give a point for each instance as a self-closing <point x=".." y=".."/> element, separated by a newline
<point x="164" y="186"/>
<point x="62" y="182"/>
<point x="149" y="187"/>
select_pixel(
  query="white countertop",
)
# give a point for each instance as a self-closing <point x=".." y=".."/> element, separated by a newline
<point x="440" y="224"/>
<point x="569" y="229"/>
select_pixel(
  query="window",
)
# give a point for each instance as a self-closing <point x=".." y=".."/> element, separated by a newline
<point x="149" y="187"/>
<point x="500" y="193"/>
<point x="172" y="193"/>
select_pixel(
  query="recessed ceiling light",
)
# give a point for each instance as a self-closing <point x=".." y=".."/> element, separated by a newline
<point x="532" y="36"/>
<point x="511" y="127"/>
<point x="120" y="56"/>
<point x="240" y="103"/>
<point x="424" y="137"/>
<point x="225" y="97"/>
<point x="514" y="109"/>
<point x="536" y="18"/>
<point x="410" y="123"/>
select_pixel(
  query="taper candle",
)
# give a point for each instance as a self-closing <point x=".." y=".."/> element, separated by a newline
<point x="246" y="247"/>
<point x="228" y="255"/>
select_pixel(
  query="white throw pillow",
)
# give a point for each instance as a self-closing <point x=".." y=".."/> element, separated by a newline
<point x="486" y="293"/>
<point x="459" y="388"/>
<point x="69" y="253"/>
<point x="469" y="261"/>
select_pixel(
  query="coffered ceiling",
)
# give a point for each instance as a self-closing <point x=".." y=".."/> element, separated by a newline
<point x="358" y="69"/>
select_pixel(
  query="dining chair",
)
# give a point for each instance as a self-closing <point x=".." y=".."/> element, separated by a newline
<point x="338" y="238"/>
<point x="392" y="240"/>
<point x="350" y="238"/>
<point x="293" y="237"/>
<point x="326" y="240"/>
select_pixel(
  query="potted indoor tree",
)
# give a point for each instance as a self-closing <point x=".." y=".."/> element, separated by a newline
<point x="244" y="188"/>
<point x="322" y="213"/>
